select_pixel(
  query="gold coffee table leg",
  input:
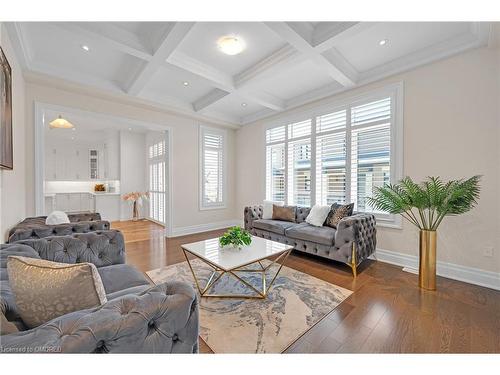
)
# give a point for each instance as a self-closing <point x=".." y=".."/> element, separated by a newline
<point x="259" y="294"/>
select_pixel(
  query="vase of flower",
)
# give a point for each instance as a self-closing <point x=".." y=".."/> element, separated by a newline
<point x="135" y="198"/>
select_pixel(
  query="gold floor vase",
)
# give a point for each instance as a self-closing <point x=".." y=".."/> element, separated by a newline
<point x="427" y="266"/>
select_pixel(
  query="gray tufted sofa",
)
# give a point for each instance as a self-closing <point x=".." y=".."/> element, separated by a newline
<point x="353" y="241"/>
<point x="35" y="227"/>
<point x="138" y="317"/>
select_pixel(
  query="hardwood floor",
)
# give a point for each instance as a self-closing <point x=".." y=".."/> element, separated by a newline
<point x="387" y="313"/>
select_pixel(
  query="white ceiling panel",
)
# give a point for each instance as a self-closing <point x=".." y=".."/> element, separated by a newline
<point x="58" y="49"/>
<point x="201" y="44"/>
<point x="169" y="81"/>
<point x="364" y="52"/>
<point x="232" y="105"/>
<point x="296" y="81"/>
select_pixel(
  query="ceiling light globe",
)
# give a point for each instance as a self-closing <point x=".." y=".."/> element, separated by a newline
<point x="231" y="45"/>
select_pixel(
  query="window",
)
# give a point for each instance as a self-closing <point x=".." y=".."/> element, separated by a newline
<point x="157" y="157"/>
<point x="212" y="168"/>
<point x="338" y="155"/>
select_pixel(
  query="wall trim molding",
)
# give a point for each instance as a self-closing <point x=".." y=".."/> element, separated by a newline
<point x="199" y="228"/>
<point x="453" y="271"/>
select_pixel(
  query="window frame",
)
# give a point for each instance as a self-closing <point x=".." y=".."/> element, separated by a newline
<point x="203" y="205"/>
<point x="395" y="91"/>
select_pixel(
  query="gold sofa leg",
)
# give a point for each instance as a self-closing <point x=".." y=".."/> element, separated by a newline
<point x="353" y="261"/>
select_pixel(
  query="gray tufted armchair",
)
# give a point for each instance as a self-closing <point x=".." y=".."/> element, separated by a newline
<point x="35" y="227"/>
<point x="354" y="239"/>
<point x="138" y="317"/>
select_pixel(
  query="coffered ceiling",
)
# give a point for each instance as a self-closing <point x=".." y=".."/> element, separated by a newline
<point x="178" y="65"/>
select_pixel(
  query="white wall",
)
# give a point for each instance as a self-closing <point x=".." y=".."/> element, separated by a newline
<point x="185" y="208"/>
<point x="13" y="183"/>
<point x="451" y="129"/>
<point x="132" y="169"/>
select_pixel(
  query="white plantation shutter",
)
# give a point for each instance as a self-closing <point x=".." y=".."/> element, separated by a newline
<point x="299" y="172"/>
<point x="157" y="157"/>
<point x="331" y="158"/>
<point x="212" y="173"/>
<point x="370" y="168"/>
<point x="275" y="172"/>
<point x="331" y="169"/>
<point x="351" y="151"/>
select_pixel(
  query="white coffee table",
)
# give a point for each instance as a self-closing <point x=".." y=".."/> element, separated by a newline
<point x="231" y="261"/>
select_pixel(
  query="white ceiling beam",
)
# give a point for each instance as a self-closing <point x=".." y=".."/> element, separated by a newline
<point x="327" y="34"/>
<point x="219" y="79"/>
<point x="171" y="39"/>
<point x="289" y="33"/>
<point x="262" y="98"/>
<point x="273" y="64"/>
<point x="105" y="35"/>
<point x="213" y="96"/>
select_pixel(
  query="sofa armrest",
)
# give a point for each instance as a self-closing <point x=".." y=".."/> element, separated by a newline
<point x="163" y="319"/>
<point x="360" y="229"/>
<point x="35" y="231"/>
<point x="102" y="248"/>
<point x="252" y="213"/>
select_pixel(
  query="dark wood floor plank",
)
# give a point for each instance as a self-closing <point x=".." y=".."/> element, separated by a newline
<point x="387" y="313"/>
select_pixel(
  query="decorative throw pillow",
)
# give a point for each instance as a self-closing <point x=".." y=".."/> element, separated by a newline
<point x="337" y="213"/>
<point x="57" y="217"/>
<point x="45" y="290"/>
<point x="267" y="209"/>
<point x="318" y="215"/>
<point x="285" y="213"/>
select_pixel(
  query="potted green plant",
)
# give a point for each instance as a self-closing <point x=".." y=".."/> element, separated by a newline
<point x="425" y="205"/>
<point x="236" y="237"/>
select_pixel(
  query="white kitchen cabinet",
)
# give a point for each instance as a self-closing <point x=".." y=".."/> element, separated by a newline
<point x="74" y="202"/>
<point x="108" y="205"/>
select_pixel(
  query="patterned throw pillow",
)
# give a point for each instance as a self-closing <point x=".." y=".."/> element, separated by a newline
<point x="45" y="290"/>
<point x="285" y="213"/>
<point x="337" y="213"/>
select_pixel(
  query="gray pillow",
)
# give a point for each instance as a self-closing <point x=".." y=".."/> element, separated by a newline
<point x="45" y="290"/>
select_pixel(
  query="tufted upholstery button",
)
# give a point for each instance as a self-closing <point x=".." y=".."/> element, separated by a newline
<point x="175" y="337"/>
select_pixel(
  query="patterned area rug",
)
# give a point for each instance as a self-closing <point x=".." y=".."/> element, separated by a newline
<point x="295" y="303"/>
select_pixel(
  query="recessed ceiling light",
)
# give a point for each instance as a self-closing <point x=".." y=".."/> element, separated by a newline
<point x="129" y="128"/>
<point x="243" y="104"/>
<point x="72" y="138"/>
<point x="383" y="42"/>
<point x="86" y="48"/>
<point x="231" y="45"/>
<point x="185" y="83"/>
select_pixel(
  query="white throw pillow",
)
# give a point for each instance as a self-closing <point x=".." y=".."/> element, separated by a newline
<point x="318" y="215"/>
<point x="267" y="210"/>
<point x="57" y="217"/>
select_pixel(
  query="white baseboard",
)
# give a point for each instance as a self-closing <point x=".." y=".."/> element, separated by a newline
<point x="183" y="231"/>
<point x="449" y="270"/>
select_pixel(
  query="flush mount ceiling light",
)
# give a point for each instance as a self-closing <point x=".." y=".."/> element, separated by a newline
<point x="383" y="42"/>
<point x="60" y="123"/>
<point x="185" y="83"/>
<point x="231" y="45"/>
<point x="85" y="47"/>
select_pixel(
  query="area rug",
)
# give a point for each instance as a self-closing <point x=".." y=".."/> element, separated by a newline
<point x="295" y="303"/>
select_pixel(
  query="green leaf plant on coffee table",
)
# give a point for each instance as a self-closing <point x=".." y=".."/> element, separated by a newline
<point x="237" y="237"/>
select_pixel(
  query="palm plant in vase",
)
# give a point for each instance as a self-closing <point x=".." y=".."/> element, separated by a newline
<point x="425" y="205"/>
